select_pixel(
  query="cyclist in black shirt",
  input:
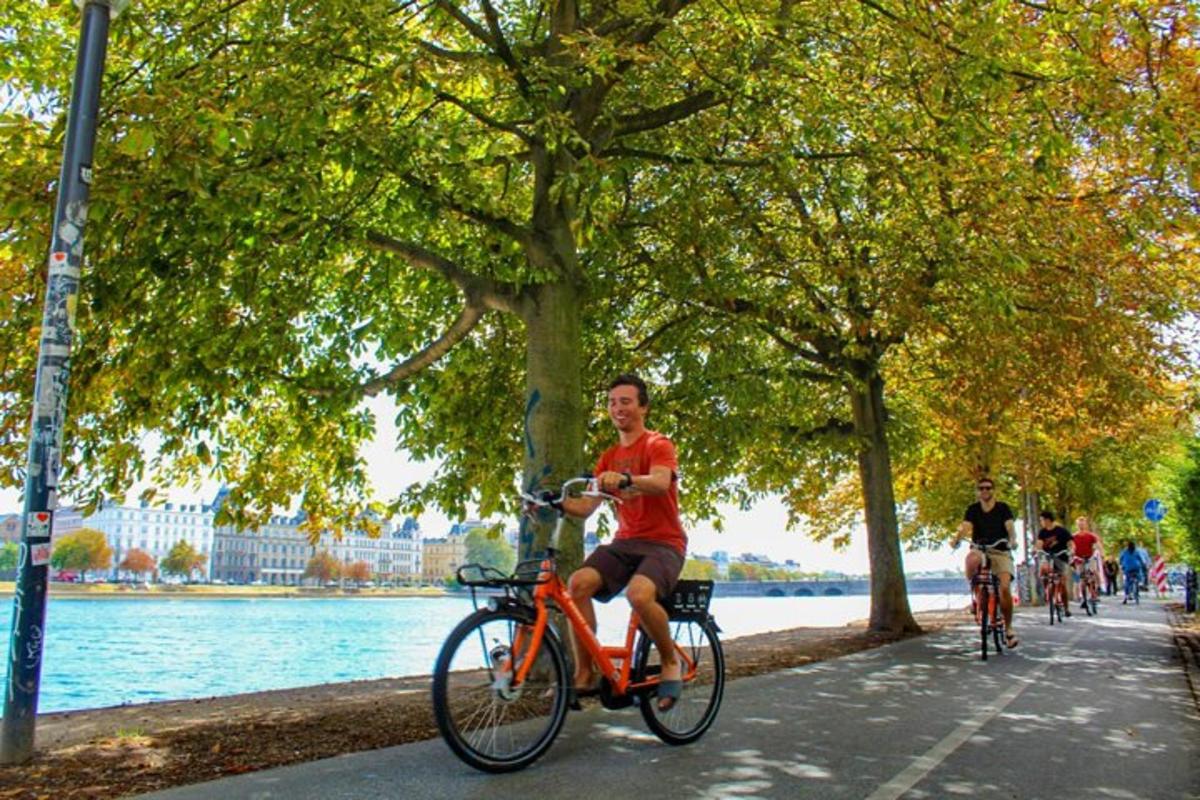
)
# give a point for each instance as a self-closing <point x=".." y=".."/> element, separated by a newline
<point x="1058" y="543"/>
<point x="990" y="522"/>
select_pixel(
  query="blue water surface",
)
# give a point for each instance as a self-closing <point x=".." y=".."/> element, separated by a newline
<point x="115" y="651"/>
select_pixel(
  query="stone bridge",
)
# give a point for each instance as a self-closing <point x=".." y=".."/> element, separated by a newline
<point x="831" y="588"/>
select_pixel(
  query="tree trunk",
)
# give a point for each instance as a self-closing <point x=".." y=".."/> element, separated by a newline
<point x="554" y="413"/>
<point x="889" y="594"/>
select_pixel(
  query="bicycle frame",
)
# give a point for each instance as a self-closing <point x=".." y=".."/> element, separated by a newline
<point x="984" y="579"/>
<point x="550" y="589"/>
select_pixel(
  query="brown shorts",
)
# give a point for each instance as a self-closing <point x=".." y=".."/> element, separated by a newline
<point x="619" y="561"/>
<point x="1002" y="563"/>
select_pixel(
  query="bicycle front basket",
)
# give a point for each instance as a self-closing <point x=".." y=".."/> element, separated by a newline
<point x="689" y="600"/>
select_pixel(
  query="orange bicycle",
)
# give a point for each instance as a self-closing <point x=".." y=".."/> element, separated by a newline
<point x="985" y="601"/>
<point x="502" y="683"/>
<point x="1054" y="586"/>
<point x="1089" y="585"/>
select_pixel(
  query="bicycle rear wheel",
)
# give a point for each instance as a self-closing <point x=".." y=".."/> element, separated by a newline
<point x="697" y="708"/>
<point x="486" y="721"/>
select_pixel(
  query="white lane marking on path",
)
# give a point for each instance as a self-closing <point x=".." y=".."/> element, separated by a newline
<point x="928" y="761"/>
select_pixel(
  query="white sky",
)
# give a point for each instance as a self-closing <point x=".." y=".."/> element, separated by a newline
<point x="760" y="530"/>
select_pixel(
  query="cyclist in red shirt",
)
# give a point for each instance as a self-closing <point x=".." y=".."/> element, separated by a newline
<point x="1089" y="551"/>
<point x="646" y="556"/>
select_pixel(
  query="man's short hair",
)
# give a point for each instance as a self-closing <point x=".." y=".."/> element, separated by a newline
<point x="629" y="379"/>
<point x="1047" y="515"/>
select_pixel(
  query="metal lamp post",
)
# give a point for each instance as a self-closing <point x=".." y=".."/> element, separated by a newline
<point x="50" y="388"/>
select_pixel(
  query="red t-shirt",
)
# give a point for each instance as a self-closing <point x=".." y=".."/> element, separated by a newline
<point x="652" y="517"/>
<point x="1085" y="544"/>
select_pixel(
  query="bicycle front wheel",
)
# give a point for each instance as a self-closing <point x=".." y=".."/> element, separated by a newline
<point x="696" y="709"/>
<point x="489" y="722"/>
<point x="985" y="617"/>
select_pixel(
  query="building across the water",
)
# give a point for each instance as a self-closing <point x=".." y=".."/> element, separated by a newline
<point x="155" y="529"/>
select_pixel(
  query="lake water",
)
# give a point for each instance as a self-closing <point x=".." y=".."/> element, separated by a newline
<point x="108" y="652"/>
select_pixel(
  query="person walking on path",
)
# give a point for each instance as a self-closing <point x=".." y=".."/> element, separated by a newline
<point x="989" y="522"/>
<point x="1110" y="576"/>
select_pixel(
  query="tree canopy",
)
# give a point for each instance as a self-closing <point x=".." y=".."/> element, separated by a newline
<point x="137" y="561"/>
<point x="865" y="251"/>
<point x="490" y="549"/>
<point x="323" y="567"/>
<point x="85" y="550"/>
<point x="183" y="560"/>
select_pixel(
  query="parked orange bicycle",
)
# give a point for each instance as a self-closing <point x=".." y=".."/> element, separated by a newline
<point x="502" y="683"/>
<point x="985" y="591"/>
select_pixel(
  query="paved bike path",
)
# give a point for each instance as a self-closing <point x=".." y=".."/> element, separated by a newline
<point x="1095" y="708"/>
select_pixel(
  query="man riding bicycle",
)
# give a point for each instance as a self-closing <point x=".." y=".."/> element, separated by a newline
<point x="1057" y="543"/>
<point x="989" y="523"/>
<point x="647" y="554"/>
<point x="1088" y="556"/>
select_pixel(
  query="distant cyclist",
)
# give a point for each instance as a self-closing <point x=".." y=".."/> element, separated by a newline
<point x="1131" y="565"/>
<point x="1056" y="542"/>
<point x="990" y="522"/>
<point x="1089" y="552"/>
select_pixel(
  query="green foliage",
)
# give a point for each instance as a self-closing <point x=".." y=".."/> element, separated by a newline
<point x="741" y="571"/>
<point x="1184" y="502"/>
<point x="84" y="550"/>
<point x="696" y="570"/>
<point x="489" y="548"/>
<point x="182" y="560"/>
<point x="8" y="556"/>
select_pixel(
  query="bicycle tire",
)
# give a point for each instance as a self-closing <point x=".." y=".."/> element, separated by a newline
<point x="985" y="621"/>
<point x="487" y="724"/>
<point x="1051" y="598"/>
<point x="696" y="710"/>
<point x="997" y="622"/>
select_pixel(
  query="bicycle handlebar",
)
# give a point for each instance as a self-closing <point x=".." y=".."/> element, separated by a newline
<point x="996" y="548"/>
<point x="591" y="490"/>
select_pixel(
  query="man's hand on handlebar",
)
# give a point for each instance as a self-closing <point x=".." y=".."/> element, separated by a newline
<point x="614" y="482"/>
<point x="543" y="499"/>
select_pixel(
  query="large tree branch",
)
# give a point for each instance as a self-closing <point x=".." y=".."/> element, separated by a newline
<point x="667" y="10"/>
<point x="464" y="19"/>
<point x="668" y="158"/>
<point x="937" y="40"/>
<point x="674" y="112"/>
<point x="458" y="56"/>
<point x="832" y="427"/>
<point x="458" y="330"/>
<point x="809" y="354"/>
<point x="502" y="48"/>
<point x="496" y="223"/>
<point x="478" y="290"/>
<point x="490" y="121"/>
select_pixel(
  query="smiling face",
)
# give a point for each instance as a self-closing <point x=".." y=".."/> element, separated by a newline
<point x="623" y="409"/>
